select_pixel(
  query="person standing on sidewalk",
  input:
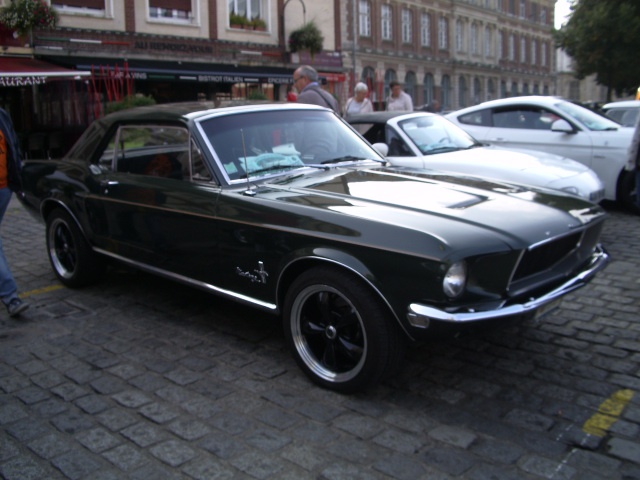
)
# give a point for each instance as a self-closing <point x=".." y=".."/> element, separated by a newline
<point x="398" y="100"/>
<point x="305" y="80"/>
<point x="10" y="165"/>
<point x="633" y="161"/>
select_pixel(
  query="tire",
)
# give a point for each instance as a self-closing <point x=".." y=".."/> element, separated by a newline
<point x="340" y="333"/>
<point x="70" y="255"/>
<point x="626" y="194"/>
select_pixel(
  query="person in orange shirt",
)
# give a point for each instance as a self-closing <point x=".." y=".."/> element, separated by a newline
<point x="10" y="164"/>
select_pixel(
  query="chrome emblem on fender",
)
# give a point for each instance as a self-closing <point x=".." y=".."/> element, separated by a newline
<point x="260" y="275"/>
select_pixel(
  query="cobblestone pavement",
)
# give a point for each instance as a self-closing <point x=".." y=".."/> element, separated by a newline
<point x="141" y="378"/>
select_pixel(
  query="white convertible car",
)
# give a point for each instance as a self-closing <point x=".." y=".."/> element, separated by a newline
<point x="425" y="140"/>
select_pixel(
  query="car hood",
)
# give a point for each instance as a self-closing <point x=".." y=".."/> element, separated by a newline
<point x="518" y="165"/>
<point x="461" y="212"/>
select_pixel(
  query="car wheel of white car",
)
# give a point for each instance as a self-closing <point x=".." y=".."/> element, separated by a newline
<point x="71" y="257"/>
<point x="340" y="333"/>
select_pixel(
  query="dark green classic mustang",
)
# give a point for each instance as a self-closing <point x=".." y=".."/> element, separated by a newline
<point x="286" y="208"/>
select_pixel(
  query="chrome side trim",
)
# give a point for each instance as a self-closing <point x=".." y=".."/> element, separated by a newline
<point x="189" y="281"/>
<point x="420" y="316"/>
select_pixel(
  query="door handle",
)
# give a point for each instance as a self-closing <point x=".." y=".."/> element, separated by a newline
<point x="105" y="184"/>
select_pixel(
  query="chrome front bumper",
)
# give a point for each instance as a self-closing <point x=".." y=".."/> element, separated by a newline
<point x="421" y="316"/>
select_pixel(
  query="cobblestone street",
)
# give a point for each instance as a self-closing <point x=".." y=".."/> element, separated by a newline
<point x="141" y="378"/>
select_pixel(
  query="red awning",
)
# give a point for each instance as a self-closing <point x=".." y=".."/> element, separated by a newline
<point x="23" y="71"/>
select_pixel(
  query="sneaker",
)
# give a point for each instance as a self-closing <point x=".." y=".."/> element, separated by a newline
<point x="16" y="306"/>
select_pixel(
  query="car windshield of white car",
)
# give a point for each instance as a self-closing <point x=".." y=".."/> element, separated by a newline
<point x="433" y="134"/>
<point x="586" y="117"/>
<point x="256" y="144"/>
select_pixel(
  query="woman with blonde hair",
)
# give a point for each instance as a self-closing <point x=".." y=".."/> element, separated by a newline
<point x="359" y="103"/>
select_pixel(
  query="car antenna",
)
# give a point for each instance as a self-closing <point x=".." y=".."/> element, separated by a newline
<point x="248" y="191"/>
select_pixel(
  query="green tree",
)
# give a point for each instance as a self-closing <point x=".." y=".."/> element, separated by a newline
<point x="603" y="38"/>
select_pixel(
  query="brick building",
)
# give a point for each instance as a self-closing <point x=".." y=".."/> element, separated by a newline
<point x="458" y="51"/>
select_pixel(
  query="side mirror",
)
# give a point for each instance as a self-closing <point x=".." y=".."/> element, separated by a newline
<point x="562" y="126"/>
<point x="381" y="148"/>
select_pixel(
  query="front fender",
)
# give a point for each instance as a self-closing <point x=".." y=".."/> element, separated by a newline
<point x="304" y="259"/>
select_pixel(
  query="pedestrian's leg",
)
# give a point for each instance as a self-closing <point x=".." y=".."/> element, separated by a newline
<point x="8" y="287"/>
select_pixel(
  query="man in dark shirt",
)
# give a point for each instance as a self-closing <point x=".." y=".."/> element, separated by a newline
<point x="305" y="79"/>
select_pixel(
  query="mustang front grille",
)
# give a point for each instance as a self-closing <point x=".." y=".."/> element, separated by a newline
<point x="546" y="256"/>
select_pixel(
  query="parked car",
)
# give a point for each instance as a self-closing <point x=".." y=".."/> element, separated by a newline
<point x="557" y="126"/>
<point x="426" y="140"/>
<point x="285" y="208"/>
<point x="624" y="112"/>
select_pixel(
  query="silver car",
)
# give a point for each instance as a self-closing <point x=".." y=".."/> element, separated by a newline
<point x="425" y="140"/>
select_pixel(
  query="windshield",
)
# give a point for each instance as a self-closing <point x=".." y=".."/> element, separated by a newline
<point x="588" y="118"/>
<point x="435" y="134"/>
<point x="257" y="144"/>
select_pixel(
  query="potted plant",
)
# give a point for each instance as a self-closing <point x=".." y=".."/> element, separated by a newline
<point x="258" y="24"/>
<point x="238" y="21"/>
<point x="307" y="37"/>
<point x="23" y="16"/>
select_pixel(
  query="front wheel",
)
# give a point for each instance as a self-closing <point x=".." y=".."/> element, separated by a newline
<point x="342" y="336"/>
<point x="71" y="257"/>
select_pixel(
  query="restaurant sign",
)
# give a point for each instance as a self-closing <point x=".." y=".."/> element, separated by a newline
<point x="22" y="81"/>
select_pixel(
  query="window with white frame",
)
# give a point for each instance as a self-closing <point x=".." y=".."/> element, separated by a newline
<point x="407" y="26"/>
<point x="386" y="18"/>
<point x="251" y="9"/>
<point x="523" y="50"/>
<point x="365" y="18"/>
<point x="488" y="42"/>
<point x="101" y="8"/>
<point x="475" y="39"/>
<point x="500" y="53"/>
<point x="443" y="33"/>
<point x="425" y="30"/>
<point x="523" y="9"/>
<point x="459" y="36"/>
<point x="512" y="47"/>
<point x="543" y="54"/>
<point x="171" y="10"/>
<point x="534" y="51"/>
<point x="543" y="16"/>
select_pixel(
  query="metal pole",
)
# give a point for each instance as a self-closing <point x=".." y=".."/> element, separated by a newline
<point x="354" y="44"/>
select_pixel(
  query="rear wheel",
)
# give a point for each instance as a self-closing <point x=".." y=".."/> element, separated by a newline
<point x="341" y="334"/>
<point x="71" y="257"/>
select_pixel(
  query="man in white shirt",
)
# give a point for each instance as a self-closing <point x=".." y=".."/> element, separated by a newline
<point x="399" y="100"/>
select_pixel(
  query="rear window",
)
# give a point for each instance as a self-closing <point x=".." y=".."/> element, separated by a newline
<point x="480" y="118"/>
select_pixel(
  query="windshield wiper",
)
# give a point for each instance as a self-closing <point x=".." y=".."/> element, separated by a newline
<point x="350" y="158"/>
<point x="272" y="168"/>
<point x="442" y="149"/>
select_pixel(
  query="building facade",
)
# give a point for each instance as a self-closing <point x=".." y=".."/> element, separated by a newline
<point x="460" y="52"/>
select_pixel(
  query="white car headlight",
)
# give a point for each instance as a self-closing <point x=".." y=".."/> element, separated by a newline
<point x="571" y="190"/>
<point x="455" y="279"/>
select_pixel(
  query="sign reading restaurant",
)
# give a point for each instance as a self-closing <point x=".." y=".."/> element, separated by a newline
<point x="22" y="81"/>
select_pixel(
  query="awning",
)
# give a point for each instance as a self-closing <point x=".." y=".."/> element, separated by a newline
<point x="174" y="71"/>
<point x="24" y="71"/>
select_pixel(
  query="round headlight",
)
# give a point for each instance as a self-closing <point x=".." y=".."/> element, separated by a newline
<point x="455" y="279"/>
